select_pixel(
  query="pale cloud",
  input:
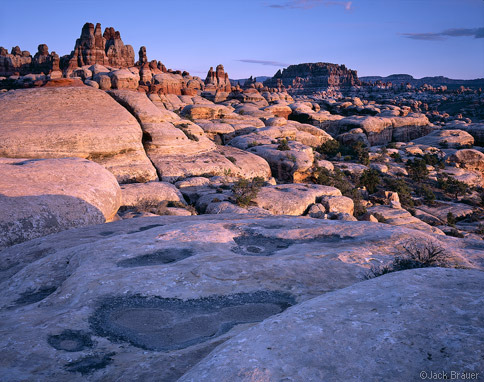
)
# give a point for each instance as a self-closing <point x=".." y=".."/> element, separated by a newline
<point x="456" y="32"/>
<point x="263" y="62"/>
<point x="309" y="4"/>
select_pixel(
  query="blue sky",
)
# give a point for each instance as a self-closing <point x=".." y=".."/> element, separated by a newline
<point x="257" y="37"/>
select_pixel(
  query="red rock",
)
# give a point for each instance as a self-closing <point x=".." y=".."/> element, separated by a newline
<point x="96" y="48"/>
<point x="63" y="82"/>
<point x="219" y="79"/>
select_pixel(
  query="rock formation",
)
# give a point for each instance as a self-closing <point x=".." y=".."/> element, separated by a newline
<point x="96" y="48"/>
<point x="218" y="78"/>
<point x="313" y="77"/>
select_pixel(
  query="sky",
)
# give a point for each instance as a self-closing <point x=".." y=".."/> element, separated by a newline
<point x="258" y="37"/>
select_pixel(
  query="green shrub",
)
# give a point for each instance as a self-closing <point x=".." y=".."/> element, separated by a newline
<point x="455" y="233"/>
<point x="451" y="220"/>
<point x="245" y="191"/>
<point x="189" y="135"/>
<point x="427" y="193"/>
<point x="396" y="157"/>
<point x="379" y="217"/>
<point x="402" y="188"/>
<point x="232" y="159"/>
<point x="283" y="145"/>
<point x="334" y="178"/>
<point x="370" y="179"/>
<point x="417" y="169"/>
<point x="361" y="153"/>
<point x="330" y="148"/>
<point x="453" y="186"/>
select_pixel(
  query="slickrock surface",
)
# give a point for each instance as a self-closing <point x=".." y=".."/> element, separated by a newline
<point x="391" y="328"/>
<point x="97" y="302"/>
<point x="73" y="122"/>
<point x="39" y="197"/>
<point x="179" y="148"/>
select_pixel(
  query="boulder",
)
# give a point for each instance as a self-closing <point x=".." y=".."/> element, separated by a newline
<point x="293" y="199"/>
<point x="135" y="194"/>
<point x="73" y="121"/>
<point x="39" y="197"/>
<point x="446" y="138"/>
<point x="341" y="204"/>
<point x="469" y="159"/>
<point x="209" y="111"/>
<point x="124" y="79"/>
<point x="401" y="217"/>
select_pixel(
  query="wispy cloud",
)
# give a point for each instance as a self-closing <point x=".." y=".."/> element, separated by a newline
<point x="309" y="4"/>
<point x="263" y="62"/>
<point x="456" y="32"/>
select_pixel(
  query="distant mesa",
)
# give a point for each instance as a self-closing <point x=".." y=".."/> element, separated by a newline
<point x="311" y="77"/>
<point x="402" y="79"/>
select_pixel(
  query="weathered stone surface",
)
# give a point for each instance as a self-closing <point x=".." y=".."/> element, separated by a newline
<point x="135" y="194"/>
<point x="341" y="204"/>
<point x="43" y="196"/>
<point x="397" y="327"/>
<point x="448" y="138"/>
<point x="292" y="199"/>
<point x="124" y="79"/>
<point x="96" y="302"/>
<point x="209" y="111"/>
<point x="69" y="121"/>
<point x="401" y="217"/>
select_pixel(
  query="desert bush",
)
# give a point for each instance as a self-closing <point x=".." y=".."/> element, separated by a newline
<point x="455" y="233"/>
<point x="189" y="135"/>
<point x="414" y="254"/>
<point x="402" y="188"/>
<point x="453" y="186"/>
<point x="451" y="220"/>
<point x="245" y="191"/>
<point x="330" y="148"/>
<point x="417" y="169"/>
<point x="396" y="157"/>
<point x="379" y="217"/>
<point x="334" y="178"/>
<point x="426" y="192"/>
<point x="283" y="145"/>
<point x="370" y="179"/>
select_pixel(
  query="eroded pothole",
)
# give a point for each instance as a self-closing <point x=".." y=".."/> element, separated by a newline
<point x="166" y="324"/>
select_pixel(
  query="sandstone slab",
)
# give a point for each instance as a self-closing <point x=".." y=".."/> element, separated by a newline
<point x="73" y="122"/>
